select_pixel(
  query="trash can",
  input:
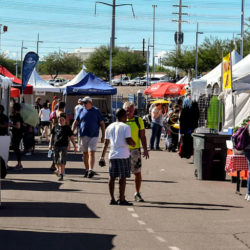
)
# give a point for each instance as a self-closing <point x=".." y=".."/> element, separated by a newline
<point x="210" y="153"/>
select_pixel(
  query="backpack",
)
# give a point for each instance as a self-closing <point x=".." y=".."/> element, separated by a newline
<point x="241" y="138"/>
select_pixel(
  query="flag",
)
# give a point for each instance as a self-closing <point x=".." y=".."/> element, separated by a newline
<point x="29" y="63"/>
<point x="226" y="69"/>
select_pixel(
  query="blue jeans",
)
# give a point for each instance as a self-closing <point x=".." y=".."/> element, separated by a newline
<point x="155" y="136"/>
<point x="247" y="154"/>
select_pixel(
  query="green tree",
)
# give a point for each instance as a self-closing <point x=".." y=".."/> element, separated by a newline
<point x="8" y="63"/>
<point x="127" y="62"/>
<point x="56" y="63"/>
<point x="123" y="62"/>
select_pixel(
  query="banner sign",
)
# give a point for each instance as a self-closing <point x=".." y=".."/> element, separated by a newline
<point x="29" y="63"/>
<point x="226" y="69"/>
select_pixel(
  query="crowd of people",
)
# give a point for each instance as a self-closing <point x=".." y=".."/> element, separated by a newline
<point x="174" y="121"/>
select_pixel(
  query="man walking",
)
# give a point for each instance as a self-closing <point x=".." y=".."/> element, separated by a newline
<point x="138" y="135"/>
<point x="118" y="134"/>
<point x="89" y="119"/>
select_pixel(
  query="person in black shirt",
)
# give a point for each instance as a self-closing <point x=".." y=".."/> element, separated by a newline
<point x="17" y="133"/>
<point x="60" y="135"/>
<point x="4" y="122"/>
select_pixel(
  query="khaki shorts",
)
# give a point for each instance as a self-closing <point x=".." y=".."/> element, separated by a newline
<point x="87" y="143"/>
<point x="135" y="156"/>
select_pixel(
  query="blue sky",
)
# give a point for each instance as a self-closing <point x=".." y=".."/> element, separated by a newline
<point x="69" y="24"/>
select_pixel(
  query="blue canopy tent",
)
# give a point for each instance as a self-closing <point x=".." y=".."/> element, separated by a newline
<point x="90" y="85"/>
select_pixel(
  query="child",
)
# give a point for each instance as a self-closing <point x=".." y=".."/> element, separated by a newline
<point x="60" y="135"/>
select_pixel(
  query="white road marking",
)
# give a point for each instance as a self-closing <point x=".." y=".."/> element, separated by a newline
<point x="141" y="222"/>
<point x="162" y="170"/>
<point x="150" y="230"/>
<point x="135" y="215"/>
<point x="174" y="248"/>
<point x="130" y="209"/>
<point x="160" y="239"/>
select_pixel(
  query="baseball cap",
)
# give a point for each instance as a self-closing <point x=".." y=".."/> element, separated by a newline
<point x="55" y="97"/>
<point x="87" y="99"/>
<point x="80" y="100"/>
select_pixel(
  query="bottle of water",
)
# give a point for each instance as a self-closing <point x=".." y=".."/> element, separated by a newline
<point x="49" y="153"/>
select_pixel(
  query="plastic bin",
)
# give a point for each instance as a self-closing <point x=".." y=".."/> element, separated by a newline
<point x="210" y="153"/>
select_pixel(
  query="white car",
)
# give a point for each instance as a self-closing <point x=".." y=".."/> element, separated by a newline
<point x="121" y="81"/>
<point x="134" y="81"/>
<point x="57" y="82"/>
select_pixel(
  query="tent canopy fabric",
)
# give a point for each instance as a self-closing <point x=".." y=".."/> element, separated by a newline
<point x="241" y="75"/>
<point x="5" y="82"/>
<point x="41" y="85"/>
<point x="14" y="92"/>
<point x="76" y="79"/>
<point x="17" y="81"/>
<point x="164" y="89"/>
<point x="214" y="75"/>
<point x="90" y="85"/>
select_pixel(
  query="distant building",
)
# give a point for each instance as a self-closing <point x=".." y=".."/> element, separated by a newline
<point x="83" y="53"/>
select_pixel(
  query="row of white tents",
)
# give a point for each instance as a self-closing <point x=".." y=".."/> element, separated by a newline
<point x="211" y="83"/>
<point x="40" y="85"/>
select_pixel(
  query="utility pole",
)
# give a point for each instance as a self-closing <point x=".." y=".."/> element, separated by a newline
<point x="114" y="5"/>
<point x="154" y="6"/>
<point x="242" y="28"/>
<point x="196" y="50"/>
<point x="143" y="47"/>
<point x="37" y="50"/>
<point x="179" y="36"/>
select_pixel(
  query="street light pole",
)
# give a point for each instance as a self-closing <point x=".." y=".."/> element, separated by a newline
<point x="37" y="50"/>
<point x="196" y="50"/>
<point x="242" y="28"/>
<point x="154" y="6"/>
<point x="22" y="48"/>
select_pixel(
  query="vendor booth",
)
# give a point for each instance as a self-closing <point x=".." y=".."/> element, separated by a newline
<point x="220" y="111"/>
<point x="5" y="86"/>
<point x="42" y="88"/>
<point x="93" y="86"/>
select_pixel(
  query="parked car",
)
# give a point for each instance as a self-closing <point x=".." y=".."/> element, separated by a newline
<point x="123" y="81"/>
<point x="154" y="80"/>
<point x="135" y="81"/>
<point x="142" y="82"/>
<point x="57" y="82"/>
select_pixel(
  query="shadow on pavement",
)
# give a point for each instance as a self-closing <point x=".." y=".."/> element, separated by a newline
<point x="42" y="155"/>
<point x="46" y="209"/>
<point x="23" y="240"/>
<point x="191" y="206"/>
<point x="34" y="185"/>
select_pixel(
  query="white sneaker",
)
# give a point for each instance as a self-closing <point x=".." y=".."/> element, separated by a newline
<point x="246" y="196"/>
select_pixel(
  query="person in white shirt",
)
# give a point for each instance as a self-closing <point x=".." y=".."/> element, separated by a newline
<point x="45" y="121"/>
<point x="118" y="135"/>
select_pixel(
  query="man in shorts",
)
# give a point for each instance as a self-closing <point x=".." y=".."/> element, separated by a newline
<point x="138" y="135"/>
<point x="88" y="120"/>
<point x="118" y="134"/>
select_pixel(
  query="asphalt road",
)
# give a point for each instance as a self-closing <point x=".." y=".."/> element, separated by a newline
<point x="179" y="212"/>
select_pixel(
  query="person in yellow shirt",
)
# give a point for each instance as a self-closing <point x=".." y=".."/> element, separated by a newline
<point x="138" y="135"/>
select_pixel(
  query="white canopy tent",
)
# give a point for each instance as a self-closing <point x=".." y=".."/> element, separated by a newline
<point x="183" y="80"/>
<point x="242" y="111"/>
<point x="76" y="79"/>
<point x="40" y="85"/>
<point x="214" y="75"/>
